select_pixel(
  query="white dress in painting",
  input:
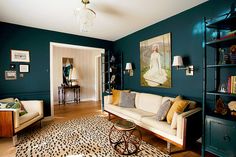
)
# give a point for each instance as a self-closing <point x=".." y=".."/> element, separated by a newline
<point x="155" y="76"/>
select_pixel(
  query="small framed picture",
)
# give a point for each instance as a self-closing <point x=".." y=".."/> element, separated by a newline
<point x="10" y="75"/>
<point x="20" y="56"/>
<point x="24" y="68"/>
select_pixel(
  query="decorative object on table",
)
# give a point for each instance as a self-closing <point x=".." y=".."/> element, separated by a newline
<point x="74" y="77"/>
<point x="12" y="66"/>
<point x="232" y="50"/>
<point x="232" y="107"/>
<point x="224" y="57"/>
<point x="113" y="59"/>
<point x="113" y="77"/>
<point x="220" y="107"/>
<point x="24" y="68"/>
<point x="223" y="88"/>
<point x="10" y="75"/>
<point x="155" y="61"/>
<point x="67" y="69"/>
<point x="20" y="56"/>
<point x="178" y="63"/>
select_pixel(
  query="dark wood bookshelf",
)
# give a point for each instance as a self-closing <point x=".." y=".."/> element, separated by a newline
<point x="226" y="42"/>
<point x="228" y="116"/>
<point x="222" y="23"/>
<point x="221" y="65"/>
<point x="220" y="94"/>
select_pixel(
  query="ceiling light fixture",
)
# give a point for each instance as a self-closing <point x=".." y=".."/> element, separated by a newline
<point x="86" y="17"/>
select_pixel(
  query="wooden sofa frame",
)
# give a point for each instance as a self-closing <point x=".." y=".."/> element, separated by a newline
<point x="192" y="131"/>
<point x="7" y="125"/>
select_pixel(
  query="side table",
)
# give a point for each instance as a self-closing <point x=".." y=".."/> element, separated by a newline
<point x="62" y="91"/>
<point x="125" y="137"/>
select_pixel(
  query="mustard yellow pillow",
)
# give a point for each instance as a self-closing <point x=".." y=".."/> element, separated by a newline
<point x="178" y="98"/>
<point x="178" y="106"/>
<point x="116" y="96"/>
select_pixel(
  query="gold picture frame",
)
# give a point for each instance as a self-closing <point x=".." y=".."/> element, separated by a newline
<point x="155" y="61"/>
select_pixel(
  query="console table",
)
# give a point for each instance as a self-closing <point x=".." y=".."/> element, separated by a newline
<point x="62" y="91"/>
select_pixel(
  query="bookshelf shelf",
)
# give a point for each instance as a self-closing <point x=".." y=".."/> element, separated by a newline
<point x="222" y="23"/>
<point x="220" y="94"/>
<point x="222" y="42"/>
<point x="212" y="80"/>
<point x="221" y="65"/>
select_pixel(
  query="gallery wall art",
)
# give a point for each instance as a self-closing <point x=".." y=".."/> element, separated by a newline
<point x="155" y="61"/>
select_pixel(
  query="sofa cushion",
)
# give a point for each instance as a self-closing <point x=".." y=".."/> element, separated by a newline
<point x="116" y="96"/>
<point x="135" y="113"/>
<point x="7" y="100"/>
<point x="160" y="125"/>
<point x="28" y="117"/>
<point x="163" y="110"/>
<point x="174" y="121"/>
<point x="16" y="104"/>
<point x="110" y="107"/>
<point x="167" y="98"/>
<point x="22" y="108"/>
<point x="148" y="102"/>
<point x="13" y="105"/>
<point x="127" y="100"/>
<point x="3" y="105"/>
<point x="178" y="106"/>
<point x="191" y="105"/>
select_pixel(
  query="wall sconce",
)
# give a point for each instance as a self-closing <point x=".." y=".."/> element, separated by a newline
<point x="129" y="69"/>
<point x="178" y="62"/>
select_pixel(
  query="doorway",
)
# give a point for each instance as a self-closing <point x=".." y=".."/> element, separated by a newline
<point x="87" y="62"/>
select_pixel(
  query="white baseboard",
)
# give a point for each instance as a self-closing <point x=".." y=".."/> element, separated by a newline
<point x="88" y="99"/>
<point x="84" y="99"/>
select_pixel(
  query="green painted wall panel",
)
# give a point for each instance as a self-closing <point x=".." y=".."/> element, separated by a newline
<point x="187" y="38"/>
<point x="36" y="83"/>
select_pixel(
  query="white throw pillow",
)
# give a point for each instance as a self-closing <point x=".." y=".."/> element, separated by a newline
<point x="174" y="121"/>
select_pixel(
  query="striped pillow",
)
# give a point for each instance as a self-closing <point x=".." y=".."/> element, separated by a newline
<point x="163" y="110"/>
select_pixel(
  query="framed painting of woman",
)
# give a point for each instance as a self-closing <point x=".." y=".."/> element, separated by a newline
<point x="155" y="61"/>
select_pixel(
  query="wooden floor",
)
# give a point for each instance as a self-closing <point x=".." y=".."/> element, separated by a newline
<point x="70" y="111"/>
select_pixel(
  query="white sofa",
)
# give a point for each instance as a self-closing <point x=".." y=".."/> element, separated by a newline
<point x="144" y="115"/>
<point x="11" y="123"/>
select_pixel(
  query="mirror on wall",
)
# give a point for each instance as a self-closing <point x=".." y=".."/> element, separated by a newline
<point x="66" y="70"/>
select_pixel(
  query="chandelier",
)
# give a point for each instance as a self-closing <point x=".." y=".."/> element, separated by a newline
<point x="86" y="17"/>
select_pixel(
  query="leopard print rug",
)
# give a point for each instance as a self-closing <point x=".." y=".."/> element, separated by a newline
<point x="84" y="137"/>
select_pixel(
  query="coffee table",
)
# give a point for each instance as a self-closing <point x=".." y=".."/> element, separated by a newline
<point x="125" y="137"/>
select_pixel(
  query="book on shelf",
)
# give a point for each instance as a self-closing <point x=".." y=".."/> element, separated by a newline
<point x="228" y="36"/>
<point x="232" y="84"/>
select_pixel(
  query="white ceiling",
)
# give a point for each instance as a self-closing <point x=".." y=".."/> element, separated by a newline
<point x="114" y="18"/>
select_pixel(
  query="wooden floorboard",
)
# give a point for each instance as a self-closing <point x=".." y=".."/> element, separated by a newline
<point x="71" y="111"/>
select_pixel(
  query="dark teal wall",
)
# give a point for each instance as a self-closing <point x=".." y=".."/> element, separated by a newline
<point x="36" y="83"/>
<point x="187" y="38"/>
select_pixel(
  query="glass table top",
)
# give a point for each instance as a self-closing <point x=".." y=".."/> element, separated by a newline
<point x="123" y="124"/>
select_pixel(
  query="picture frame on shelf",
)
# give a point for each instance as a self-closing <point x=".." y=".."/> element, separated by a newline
<point x="20" y="56"/>
<point x="10" y="75"/>
<point x="24" y="68"/>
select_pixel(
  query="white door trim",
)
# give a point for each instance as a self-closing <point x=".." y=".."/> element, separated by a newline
<point x="51" y="66"/>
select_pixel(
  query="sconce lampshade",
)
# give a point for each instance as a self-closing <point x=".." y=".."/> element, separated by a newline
<point x="178" y="61"/>
<point x="128" y="66"/>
